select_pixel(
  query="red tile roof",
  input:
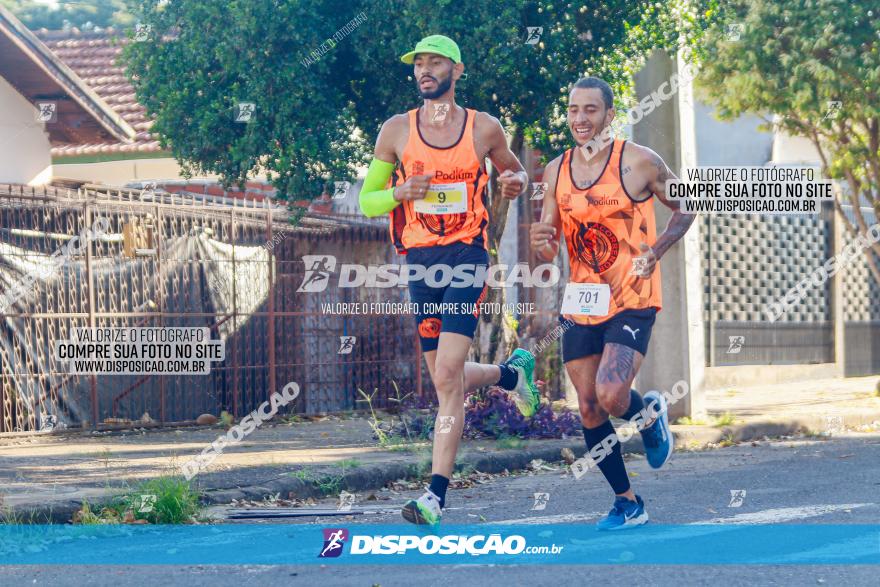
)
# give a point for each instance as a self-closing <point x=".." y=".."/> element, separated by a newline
<point x="79" y="114"/>
<point x="93" y="56"/>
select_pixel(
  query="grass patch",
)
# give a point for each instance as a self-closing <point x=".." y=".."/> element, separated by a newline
<point x="385" y="432"/>
<point x="326" y="483"/>
<point x="329" y="485"/>
<point x="688" y="421"/>
<point x="423" y="467"/>
<point x="302" y="475"/>
<point x="509" y="442"/>
<point x="727" y="441"/>
<point x="725" y="419"/>
<point x="464" y="473"/>
<point x="86" y="517"/>
<point x="399" y="443"/>
<point x="164" y="500"/>
<point x="17" y="518"/>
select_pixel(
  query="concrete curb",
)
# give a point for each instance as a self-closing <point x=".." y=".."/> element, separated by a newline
<point x="373" y="477"/>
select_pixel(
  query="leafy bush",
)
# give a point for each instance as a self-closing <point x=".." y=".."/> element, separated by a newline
<point x="488" y="413"/>
<point x="492" y="412"/>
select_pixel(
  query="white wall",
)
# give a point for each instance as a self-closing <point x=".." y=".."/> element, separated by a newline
<point x="730" y="143"/>
<point x="789" y="150"/>
<point x="119" y="173"/>
<point x="740" y="142"/>
<point x="24" y="145"/>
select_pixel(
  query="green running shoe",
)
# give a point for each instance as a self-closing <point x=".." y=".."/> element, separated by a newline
<point x="424" y="510"/>
<point x="528" y="398"/>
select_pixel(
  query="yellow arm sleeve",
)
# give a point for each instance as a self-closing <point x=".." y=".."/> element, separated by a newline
<point x="374" y="199"/>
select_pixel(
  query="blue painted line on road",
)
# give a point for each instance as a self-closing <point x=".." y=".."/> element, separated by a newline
<point x="568" y="544"/>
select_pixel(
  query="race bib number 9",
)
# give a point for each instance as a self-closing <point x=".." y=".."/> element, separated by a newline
<point x="589" y="299"/>
<point x="443" y="198"/>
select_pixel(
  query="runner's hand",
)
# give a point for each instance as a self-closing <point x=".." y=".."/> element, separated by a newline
<point x="540" y="234"/>
<point x="512" y="183"/>
<point x="643" y="265"/>
<point x="414" y="188"/>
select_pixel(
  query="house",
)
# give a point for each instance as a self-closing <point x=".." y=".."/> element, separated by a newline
<point x="94" y="57"/>
<point x="44" y="103"/>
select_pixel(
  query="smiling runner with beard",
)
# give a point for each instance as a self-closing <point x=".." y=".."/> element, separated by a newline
<point x="429" y="174"/>
<point x="600" y="197"/>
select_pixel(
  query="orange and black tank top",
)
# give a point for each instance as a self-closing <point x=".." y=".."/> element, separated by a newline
<point x="457" y="208"/>
<point x="603" y="227"/>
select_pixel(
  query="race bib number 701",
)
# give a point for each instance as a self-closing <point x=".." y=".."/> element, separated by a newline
<point x="590" y="299"/>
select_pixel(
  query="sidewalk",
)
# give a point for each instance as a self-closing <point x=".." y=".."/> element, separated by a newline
<point x="50" y="475"/>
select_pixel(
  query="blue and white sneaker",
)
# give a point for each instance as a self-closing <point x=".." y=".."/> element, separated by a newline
<point x="424" y="510"/>
<point x="625" y="514"/>
<point x="657" y="437"/>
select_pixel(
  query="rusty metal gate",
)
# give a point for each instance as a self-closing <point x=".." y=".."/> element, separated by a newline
<point x="172" y="260"/>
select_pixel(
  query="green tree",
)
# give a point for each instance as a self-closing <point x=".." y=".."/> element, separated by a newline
<point x="810" y="68"/>
<point x="202" y="58"/>
<point x="95" y="13"/>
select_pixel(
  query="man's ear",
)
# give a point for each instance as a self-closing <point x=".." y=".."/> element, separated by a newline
<point x="610" y="115"/>
<point x="458" y="72"/>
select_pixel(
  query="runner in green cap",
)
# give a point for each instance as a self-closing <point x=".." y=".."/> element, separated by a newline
<point x="436" y="44"/>
<point x="429" y="174"/>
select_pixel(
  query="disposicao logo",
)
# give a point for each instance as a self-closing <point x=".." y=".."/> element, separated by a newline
<point x="334" y="539"/>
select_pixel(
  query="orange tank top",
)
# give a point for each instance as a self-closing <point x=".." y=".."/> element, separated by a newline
<point x="603" y="227"/>
<point x="459" y="209"/>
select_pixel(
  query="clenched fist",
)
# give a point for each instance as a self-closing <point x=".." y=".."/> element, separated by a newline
<point x="512" y="183"/>
<point x="414" y="188"/>
<point x="542" y="234"/>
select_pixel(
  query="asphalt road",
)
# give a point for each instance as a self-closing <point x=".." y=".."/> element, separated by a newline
<point x="833" y="481"/>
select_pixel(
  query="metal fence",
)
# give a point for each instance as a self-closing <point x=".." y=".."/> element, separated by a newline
<point x="751" y="261"/>
<point x="172" y="260"/>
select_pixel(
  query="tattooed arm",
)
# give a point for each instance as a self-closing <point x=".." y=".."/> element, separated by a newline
<point x="656" y="173"/>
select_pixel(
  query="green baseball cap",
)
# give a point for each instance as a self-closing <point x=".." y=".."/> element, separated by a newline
<point x="437" y="44"/>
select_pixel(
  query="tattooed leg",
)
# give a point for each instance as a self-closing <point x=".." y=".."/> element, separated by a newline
<point x="617" y="369"/>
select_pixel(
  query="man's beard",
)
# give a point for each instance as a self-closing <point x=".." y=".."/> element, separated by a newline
<point x="442" y="87"/>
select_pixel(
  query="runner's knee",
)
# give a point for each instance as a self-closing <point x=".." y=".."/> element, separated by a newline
<point x="448" y="378"/>
<point x="613" y="397"/>
<point x="592" y="414"/>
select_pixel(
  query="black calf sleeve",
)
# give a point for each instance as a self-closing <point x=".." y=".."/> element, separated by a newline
<point x="611" y="465"/>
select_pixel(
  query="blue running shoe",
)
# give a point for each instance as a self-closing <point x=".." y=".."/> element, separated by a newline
<point x="657" y="437"/>
<point x="625" y="514"/>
